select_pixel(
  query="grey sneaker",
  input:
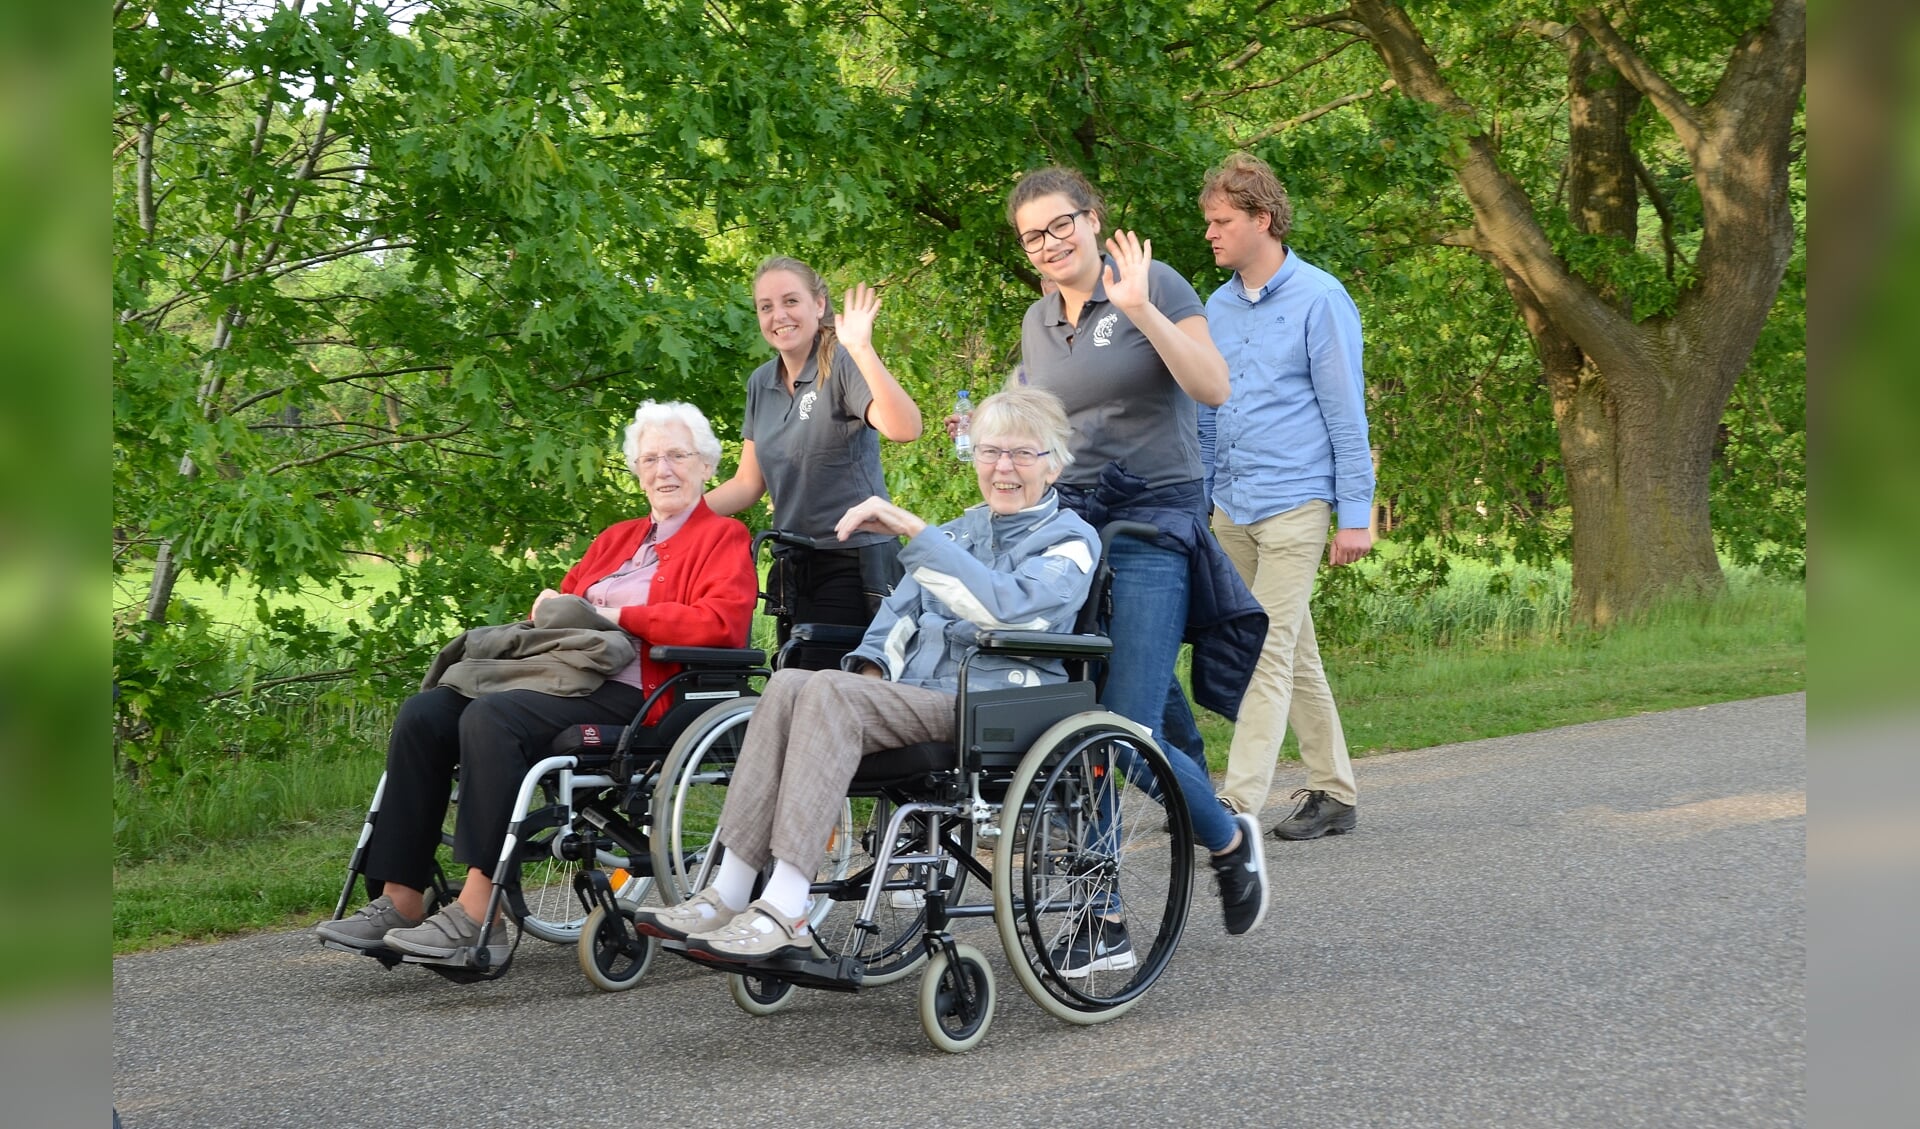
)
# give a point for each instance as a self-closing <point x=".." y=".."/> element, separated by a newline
<point x="760" y="932"/>
<point x="703" y="911"/>
<point x="442" y="935"/>
<point x="367" y="929"/>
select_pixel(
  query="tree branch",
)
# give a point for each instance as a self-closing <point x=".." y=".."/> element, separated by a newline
<point x="351" y="447"/>
<point x="1466" y="238"/>
<point x="1503" y="213"/>
<point x="1302" y="118"/>
<point x="294" y="679"/>
<point x="1679" y="113"/>
<point x="1344" y="21"/>
<point x="1661" y="207"/>
<point x="1296" y="72"/>
<point x="284" y="388"/>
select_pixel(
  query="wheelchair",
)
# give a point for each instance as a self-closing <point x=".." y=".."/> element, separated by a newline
<point x="588" y="802"/>
<point x="578" y="844"/>
<point x="1078" y="807"/>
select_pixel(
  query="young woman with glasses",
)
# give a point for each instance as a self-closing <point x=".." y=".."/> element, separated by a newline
<point x="1122" y="340"/>
<point x="814" y="416"/>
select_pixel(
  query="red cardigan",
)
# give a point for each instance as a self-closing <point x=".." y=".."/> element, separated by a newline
<point x="702" y="594"/>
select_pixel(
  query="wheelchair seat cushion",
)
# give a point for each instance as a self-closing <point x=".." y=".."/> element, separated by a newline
<point x="592" y="744"/>
<point x="890" y="766"/>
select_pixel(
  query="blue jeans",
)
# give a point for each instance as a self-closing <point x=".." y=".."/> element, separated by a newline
<point x="1149" y="617"/>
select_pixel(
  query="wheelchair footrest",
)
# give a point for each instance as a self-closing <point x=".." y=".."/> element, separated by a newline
<point x="385" y="956"/>
<point x="475" y="962"/>
<point x="833" y="974"/>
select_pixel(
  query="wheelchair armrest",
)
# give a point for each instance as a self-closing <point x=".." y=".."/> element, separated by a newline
<point x="709" y="656"/>
<point x="1045" y="644"/>
<point x="829" y="634"/>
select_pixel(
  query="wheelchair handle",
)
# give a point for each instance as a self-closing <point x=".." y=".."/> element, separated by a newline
<point x="787" y="537"/>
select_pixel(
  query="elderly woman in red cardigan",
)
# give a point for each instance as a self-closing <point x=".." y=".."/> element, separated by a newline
<point x="681" y="576"/>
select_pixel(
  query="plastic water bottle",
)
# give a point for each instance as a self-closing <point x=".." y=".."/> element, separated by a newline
<point x="962" y="435"/>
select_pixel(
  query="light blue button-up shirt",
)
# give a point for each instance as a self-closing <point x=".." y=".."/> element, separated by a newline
<point x="1294" y="427"/>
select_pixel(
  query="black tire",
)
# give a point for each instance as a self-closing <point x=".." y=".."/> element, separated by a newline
<point x="957" y="998"/>
<point x="604" y="957"/>
<point x="1060" y="862"/>
<point x="759" y="995"/>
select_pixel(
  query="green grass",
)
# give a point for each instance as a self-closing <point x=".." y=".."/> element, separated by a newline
<point x="249" y="842"/>
<point x="232" y="604"/>
<point x="1399" y="688"/>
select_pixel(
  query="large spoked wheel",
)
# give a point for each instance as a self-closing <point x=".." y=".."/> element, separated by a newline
<point x="1085" y="841"/>
<point x="688" y="797"/>
<point x="759" y="995"/>
<point x="957" y="997"/>
<point x="541" y="891"/>
<point x="611" y="955"/>
<point x="895" y="944"/>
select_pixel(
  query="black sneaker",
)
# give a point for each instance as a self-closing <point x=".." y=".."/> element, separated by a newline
<point x="1318" y="814"/>
<point x="1093" y="948"/>
<point x="1242" y="873"/>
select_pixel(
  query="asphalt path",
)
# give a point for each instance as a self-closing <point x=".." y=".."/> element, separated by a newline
<point x="1601" y="925"/>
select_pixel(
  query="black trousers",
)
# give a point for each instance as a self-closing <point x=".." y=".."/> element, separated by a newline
<point x="490" y="741"/>
<point x="839" y="586"/>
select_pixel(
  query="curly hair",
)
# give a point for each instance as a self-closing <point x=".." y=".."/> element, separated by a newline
<point x="654" y="414"/>
<point x="1246" y="182"/>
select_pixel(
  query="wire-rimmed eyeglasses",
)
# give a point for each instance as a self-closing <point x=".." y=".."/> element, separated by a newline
<point x="677" y="458"/>
<point x="1021" y="456"/>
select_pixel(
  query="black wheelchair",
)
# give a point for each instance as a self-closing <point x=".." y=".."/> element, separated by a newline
<point x="579" y="843"/>
<point x="1077" y="806"/>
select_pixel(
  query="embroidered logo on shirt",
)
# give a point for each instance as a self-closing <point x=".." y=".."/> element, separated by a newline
<point x="1103" y="332"/>
<point x="806" y="404"/>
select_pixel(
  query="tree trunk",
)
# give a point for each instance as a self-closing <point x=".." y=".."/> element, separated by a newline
<point x="1628" y="447"/>
<point x="1638" y="486"/>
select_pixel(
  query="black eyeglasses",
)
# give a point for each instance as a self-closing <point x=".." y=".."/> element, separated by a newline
<point x="1060" y="228"/>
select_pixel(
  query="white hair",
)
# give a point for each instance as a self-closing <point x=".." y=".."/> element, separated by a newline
<point x="1026" y="410"/>
<point x="654" y="414"/>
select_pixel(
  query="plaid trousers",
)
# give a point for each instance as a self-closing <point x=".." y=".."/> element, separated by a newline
<point x="803" y="746"/>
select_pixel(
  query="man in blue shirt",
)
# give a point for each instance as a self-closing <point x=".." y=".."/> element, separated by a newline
<point x="1289" y="454"/>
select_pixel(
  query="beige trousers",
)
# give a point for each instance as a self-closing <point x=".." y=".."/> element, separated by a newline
<point x="1278" y="558"/>
<point x="803" y="744"/>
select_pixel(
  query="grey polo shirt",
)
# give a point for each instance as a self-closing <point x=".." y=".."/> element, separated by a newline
<point x="1122" y="402"/>
<point x="815" y="449"/>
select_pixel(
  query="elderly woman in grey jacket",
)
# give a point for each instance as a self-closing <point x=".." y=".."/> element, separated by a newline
<point x="1017" y="560"/>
